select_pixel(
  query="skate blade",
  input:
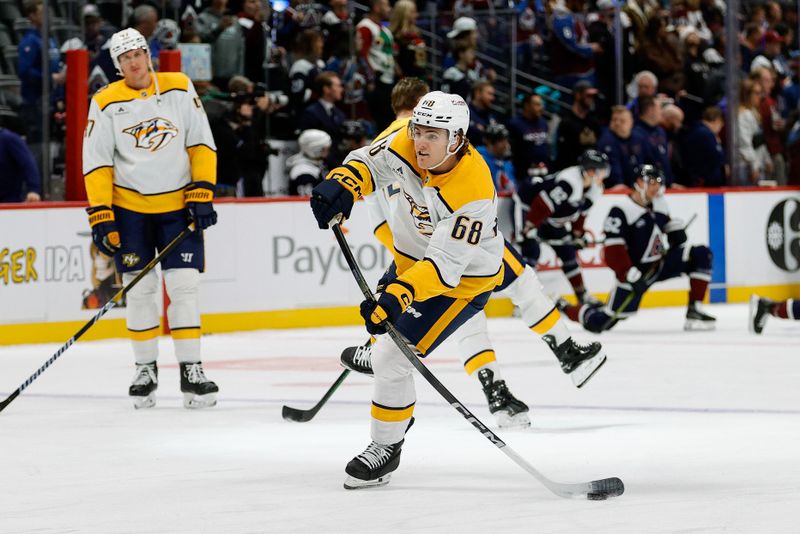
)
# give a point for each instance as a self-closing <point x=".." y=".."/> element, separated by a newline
<point x="587" y="369"/>
<point x="140" y="403"/>
<point x="352" y="483"/>
<point x="198" y="402"/>
<point x="509" y="422"/>
<point x="693" y="325"/>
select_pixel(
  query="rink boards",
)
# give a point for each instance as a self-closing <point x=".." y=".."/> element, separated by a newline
<point x="269" y="266"/>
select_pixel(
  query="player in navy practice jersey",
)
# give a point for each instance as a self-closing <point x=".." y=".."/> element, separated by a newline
<point x="558" y="207"/>
<point x="644" y="245"/>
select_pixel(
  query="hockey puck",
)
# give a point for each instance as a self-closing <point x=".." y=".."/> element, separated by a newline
<point x="597" y="496"/>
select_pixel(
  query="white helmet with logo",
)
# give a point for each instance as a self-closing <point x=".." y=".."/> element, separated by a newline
<point x="443" y="110"/>
<point x="313" y="143"/>
<point x="125" y="41"/>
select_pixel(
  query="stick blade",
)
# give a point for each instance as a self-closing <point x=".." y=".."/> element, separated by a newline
<point x="297" y="416"/>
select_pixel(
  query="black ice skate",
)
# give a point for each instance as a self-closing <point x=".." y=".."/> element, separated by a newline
<point x="358" y="359"/>
<point x="198" y="391"/>
<point x="580" y="362"/>
<point x="697" y="320"/>
<point x="144" y="385"/>
<point x="759" y="311"/>
<point x="373" y="467"/>
<point x="509" y="411"/>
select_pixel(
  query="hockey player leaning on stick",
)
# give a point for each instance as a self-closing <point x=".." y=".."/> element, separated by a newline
<point x="637" y="233"/>
<point x="447" y="250"/>
<point x="520" y="283"/>
<point x="149" y="162"/>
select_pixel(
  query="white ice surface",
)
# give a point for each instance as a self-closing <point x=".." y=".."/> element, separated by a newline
<point x="704" y="428"/>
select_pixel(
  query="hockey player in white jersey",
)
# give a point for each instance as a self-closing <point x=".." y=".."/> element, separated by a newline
<point x="149" y="164"/>
<point x="307" y="167"/>
<point x="520" y="283"/>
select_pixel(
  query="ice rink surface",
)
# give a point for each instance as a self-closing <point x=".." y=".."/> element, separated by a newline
<point x="704" y="428"/>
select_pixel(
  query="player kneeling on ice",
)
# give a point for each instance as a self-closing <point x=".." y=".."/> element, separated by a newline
<point x="149" y="163"/>
<point x="448" y="257"/>
<point x="636" y="231"/>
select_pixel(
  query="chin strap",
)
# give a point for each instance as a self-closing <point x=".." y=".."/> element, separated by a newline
<point x="155" y="81"/>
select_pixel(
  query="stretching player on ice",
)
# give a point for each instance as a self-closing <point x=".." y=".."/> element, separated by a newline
<point x="636" y="250"/>
<point x="149" y="162"/>
<point x="558" y="207"/>
<point x="520" y="283"/>
<point x="761" y="308"/>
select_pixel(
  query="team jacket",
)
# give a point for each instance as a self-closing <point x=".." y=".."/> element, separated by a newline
<point x="635" y="235"/>
<point x="441" y="227"/>
<point x="140" y="155"/>
<point x="561" y="199"/>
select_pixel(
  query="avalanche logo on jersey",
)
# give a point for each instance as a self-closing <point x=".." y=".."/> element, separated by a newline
<point x="153" y="134"/>
<point x="422" y="217"/>
<point x="655" y="248"/>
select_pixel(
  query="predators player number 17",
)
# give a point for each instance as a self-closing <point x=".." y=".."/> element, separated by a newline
<point x="447" y="250"/>
<point x="149" y="163"/>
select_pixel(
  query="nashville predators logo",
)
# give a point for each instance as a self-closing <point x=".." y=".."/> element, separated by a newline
<point x="131" y="259"/>
<point x="153" y="134"/>
<point x="422" y="218"/>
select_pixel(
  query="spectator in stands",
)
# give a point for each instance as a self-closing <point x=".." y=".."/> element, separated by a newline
<point x="96" y="30"/>
<point x="578" y="130"/>
<point x="772" y="56"/>
<point x="337" y="27"/>
<point x="324" y="114"/>
<point x="624" y="147"/>
<point x="601" y="31"/>
<point x="307" y="65"/>
<point x="753" y="160"/>
<point x="689" y="17"/>
<point x="257" y="43"/>
<point x="659" y="53"/>
<point x="644" y="84"/>
<point x="530" y="139"/>
<point x="29" y="70"/>
<point x="375" y="47"/>
<point x="571" y="53"/>
<point x="480" y="111"/>
<point x="696" y="73"/>
<point x="463" y="34"/>
<point x="459" y="78"/>
<point x="672" y="119"/>
<point x="218" y="27"/>
<point x="19" y="176"/>
<point x="639" y="12"/>
<point x="703" y="155"/>
<point x="649" y="127"/>
<point x="412" y="53"/>
<point x="772" y="123"/>
<point x="750" y="45"/>
<point x="145" y="20"/>
<point x="496" y="153"/>
<point x="354" y="136"/>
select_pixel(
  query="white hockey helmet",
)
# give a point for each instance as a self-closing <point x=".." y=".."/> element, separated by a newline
<point x="313" y="143"/>
<point x="443" y="110"/>
<point x="125" y="41"/>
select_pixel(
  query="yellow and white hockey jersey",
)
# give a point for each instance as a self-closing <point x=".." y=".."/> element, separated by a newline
<point x="139" y="154"/>
<point x="443" y="226"/>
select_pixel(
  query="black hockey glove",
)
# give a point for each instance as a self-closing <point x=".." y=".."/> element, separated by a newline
<point x="390" y="305"/>
<point x="329" y="199"/>
<point x="579" y="241"/>
<point x="676" y="233"/>
<point x="104" y="230"/>
<point x="199" y="197"/>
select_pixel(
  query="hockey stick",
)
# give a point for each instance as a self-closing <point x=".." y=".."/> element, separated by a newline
<point x="303" y="416"/>
<point x="110" y="304"/>
<point x="594" y="490"/>
<point x="651" y="272"/>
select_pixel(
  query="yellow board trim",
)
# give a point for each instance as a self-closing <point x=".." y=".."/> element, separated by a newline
<point x="479" y="360"/>
<point x="145" y="335"/>
<point x="544" y="326"/>
<point x="107" y="328"/>
<point x="186" y="333"/>
<point x="392" y="415"/>
<point x="442" y="323"/>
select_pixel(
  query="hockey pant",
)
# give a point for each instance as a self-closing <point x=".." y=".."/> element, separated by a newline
<point x="692" y="261"/>
<point x="424" y="325"/>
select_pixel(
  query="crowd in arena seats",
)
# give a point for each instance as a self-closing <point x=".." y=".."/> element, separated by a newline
<point x="281" y="68"/>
